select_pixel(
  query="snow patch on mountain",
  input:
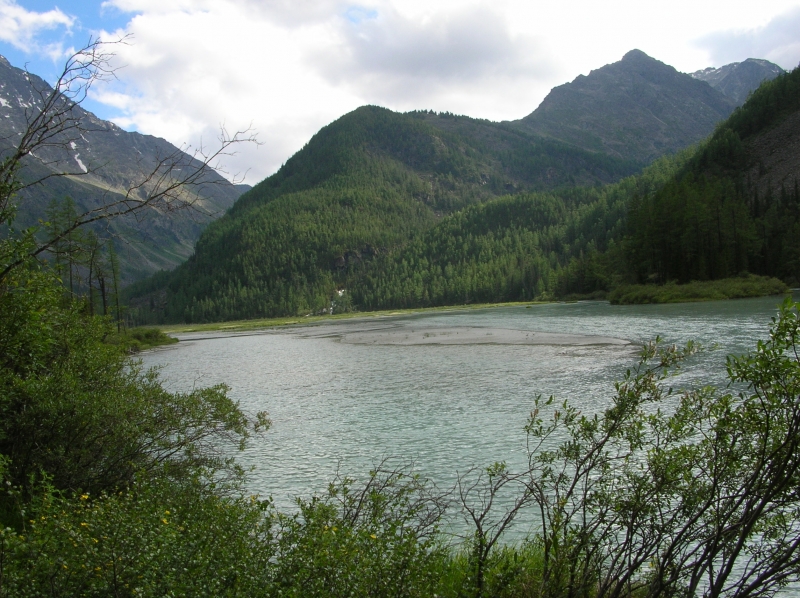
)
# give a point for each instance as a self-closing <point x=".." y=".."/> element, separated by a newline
<point x="78" y="160"/>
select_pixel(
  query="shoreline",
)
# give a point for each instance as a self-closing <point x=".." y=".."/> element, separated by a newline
<point x="269" y="323"/>
<point x="263" y="324"/>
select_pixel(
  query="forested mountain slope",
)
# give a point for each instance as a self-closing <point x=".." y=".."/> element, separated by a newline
<point x="736" y="205"/>
<point x="367" y="183"/>
<point x="732" y="205"/>
<point x="103" y="163"/>
<point x="515" y="248"/>
<point x="382" y="209"/>
<point x="637" y="109"/>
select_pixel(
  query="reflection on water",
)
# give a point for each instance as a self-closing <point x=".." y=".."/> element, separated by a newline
<point x="446" y="406"/>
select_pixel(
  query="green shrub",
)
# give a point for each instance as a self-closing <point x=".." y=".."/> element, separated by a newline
<point x="156" y="538"/>
<point x="376" y="539"/>
<point x="79" y="411"/>
<point x="135" y="340"/>
<point x="746" y="285"/>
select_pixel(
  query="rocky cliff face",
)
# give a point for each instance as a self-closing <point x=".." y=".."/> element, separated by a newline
<point x="636" y="109"/>
<point x="739" y="79"/>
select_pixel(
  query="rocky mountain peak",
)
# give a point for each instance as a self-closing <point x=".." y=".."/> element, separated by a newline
<point x="738" y="80"/>
<point x="637" y="55"/>
<point x="637" y="108"/>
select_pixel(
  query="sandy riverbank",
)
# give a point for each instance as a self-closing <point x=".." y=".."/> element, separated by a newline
<point x="393" y="329"/>
<point x="269" y="323"/>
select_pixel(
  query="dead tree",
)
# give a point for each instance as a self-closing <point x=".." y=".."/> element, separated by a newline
<point x="56" y="120"/>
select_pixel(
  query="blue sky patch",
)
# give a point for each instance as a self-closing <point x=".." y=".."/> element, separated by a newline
<point x="359" y="14"/>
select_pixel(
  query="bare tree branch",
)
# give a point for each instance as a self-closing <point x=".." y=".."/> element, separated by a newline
<point x="175" y="180"/>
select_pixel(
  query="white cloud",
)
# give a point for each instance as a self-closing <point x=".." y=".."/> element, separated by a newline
<point x="187" y="72"/>
<point x="777" y="41"/>
<point x="291" y="13"/>
<point x="20" y="27"/>
<point x="289" y="67"/>
<point x="395" y="58"/>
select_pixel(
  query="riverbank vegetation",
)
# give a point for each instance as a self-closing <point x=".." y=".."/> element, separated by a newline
<point x="747" y="285"/>
<point x="134" y="340"/>
<point x="111" y="485"/>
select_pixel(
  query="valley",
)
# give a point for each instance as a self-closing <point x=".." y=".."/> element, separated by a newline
<point x="384" y="210"/>
<point x="404" y="367"/>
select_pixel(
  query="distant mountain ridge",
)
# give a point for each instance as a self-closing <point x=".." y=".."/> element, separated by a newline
<point x="373" y="185"/>
<point x="737" y="80"/>
<point x="636" y="109"/>
<point x="727" y="207"/>
<point x="107" y="161"/>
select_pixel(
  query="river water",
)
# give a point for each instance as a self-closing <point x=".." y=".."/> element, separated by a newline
<point x="448" y="390"/>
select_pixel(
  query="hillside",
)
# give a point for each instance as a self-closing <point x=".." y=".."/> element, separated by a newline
<point x="736" y="206"/>
<point x="363" y="185"/>
<point x="635" y="109"/>
<point x="104" y="162"/>
<point x="730" y="206"/>
<point x="515" y="248"/>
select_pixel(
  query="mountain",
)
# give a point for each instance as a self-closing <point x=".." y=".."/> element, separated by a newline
<point x="731" y="205"/>
<point x="739" y="79"/>
<point x="105" y="162"/>
<point x="364" y="184"/>
<point x="636" y="109"/>
<point x="736" y="206"/>
<point x="382" y="209"/>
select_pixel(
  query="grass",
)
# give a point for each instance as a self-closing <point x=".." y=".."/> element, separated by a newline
<point x="140" y="339"/>
<point x="746" y="285"/>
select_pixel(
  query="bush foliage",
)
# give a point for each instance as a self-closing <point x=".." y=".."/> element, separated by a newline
<point x="110" y="485"/>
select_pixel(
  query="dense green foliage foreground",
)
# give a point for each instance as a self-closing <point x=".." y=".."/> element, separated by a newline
<point x="112" y="486"/>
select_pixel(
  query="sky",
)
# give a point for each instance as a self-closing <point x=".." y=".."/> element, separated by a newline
<point x="286" y="68"/>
